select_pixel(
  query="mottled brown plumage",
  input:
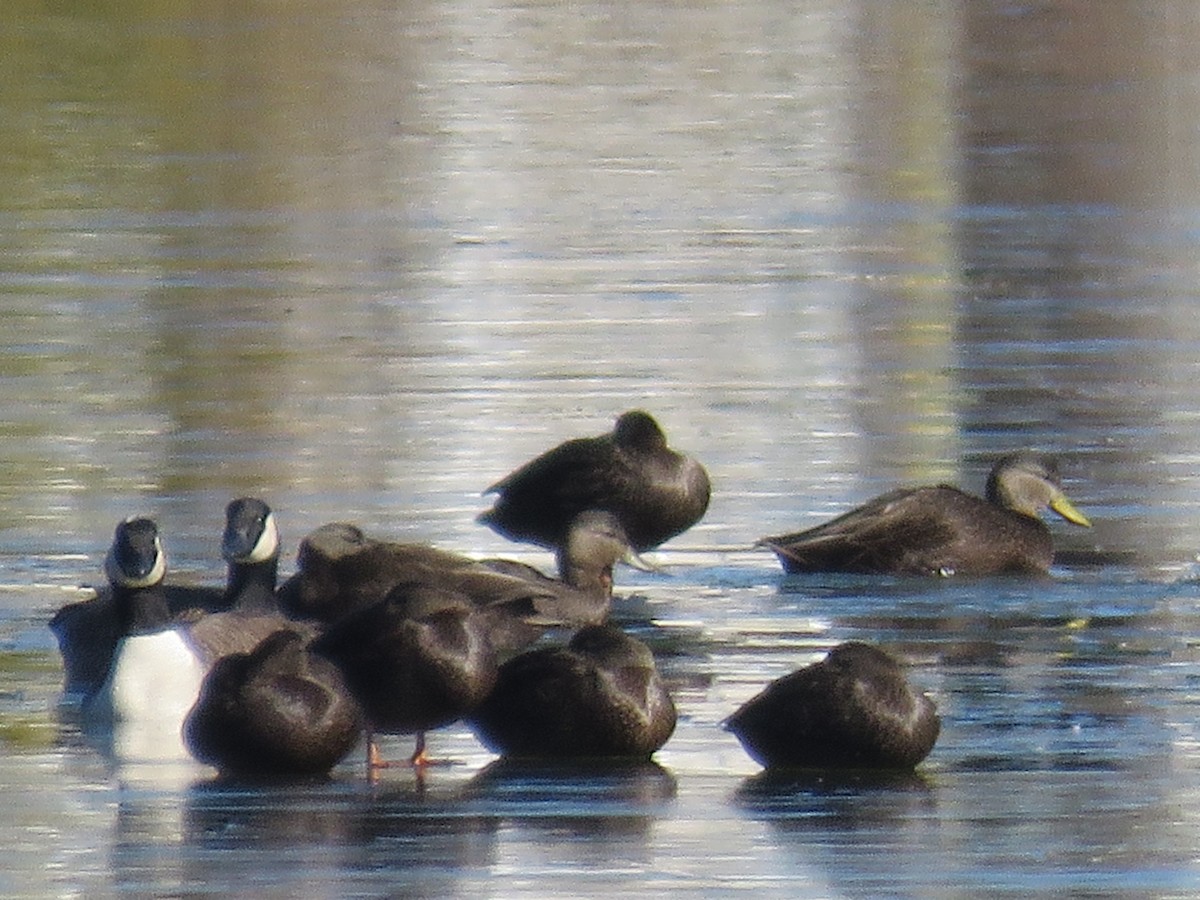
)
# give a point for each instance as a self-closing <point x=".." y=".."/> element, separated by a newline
<point x="941" y="530"/>
<point x="600" y="697"/>
<point x="421" y="658"/>
<point x="342" y="571"/>
<point x="277" y="711"/>
<point x="654" y="491"/>
<point x="854" y="710"/>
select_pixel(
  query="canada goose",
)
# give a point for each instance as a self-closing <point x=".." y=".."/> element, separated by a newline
<point x="88" y="631"/>
<point x="155" y="647"/>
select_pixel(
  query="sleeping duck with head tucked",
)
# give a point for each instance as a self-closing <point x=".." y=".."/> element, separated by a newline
<point x="654" y="491"/>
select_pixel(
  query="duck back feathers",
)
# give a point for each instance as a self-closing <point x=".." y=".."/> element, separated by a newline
<point x="276" y="711"/>
<point x="599" y="697"/>
<point x="654" y="491"/>
<point x="343" y="572"/>
<point x="853" y="709"/>
<point x="420" y="659"/>
<point x="941" y="530"/>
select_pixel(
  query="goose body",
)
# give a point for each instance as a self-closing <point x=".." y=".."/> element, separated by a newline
<point x="152" y="675"/>
<point x="88" y="632"/>
<point x="854" y="709"/>
<point x="599" y="697"/>
<point x="654" y="491"/>
<point x="941" y="530"/>
<point x="140" y="654"/>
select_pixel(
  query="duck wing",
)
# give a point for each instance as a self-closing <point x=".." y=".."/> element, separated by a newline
<point x="906" y="531"/>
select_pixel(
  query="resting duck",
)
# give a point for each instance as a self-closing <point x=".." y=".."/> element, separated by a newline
<point x="854" y="710"/>
<point x="278" y="711"/>
<point x="418" y="660"/>
<point x="599" y="697"/>
<point x="654" y="491"/>
<point x="940" y="530"/>
<point x="342" y="571"/>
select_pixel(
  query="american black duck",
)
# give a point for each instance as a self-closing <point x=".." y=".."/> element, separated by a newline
<point x="277" y="711"/>
<point x="599" y="697"/>
<point x="852" y="710"/>
<point x="941" y="530"/>
<point x="342" y="571"/>
<point x="654" y="491"/>
<point x="420" y="659"/>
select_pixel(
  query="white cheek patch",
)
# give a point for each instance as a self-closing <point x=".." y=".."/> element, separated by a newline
<point x="268" y="542"/>
<point x="116" y="576"/>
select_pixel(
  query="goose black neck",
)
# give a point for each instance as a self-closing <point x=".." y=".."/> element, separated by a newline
<point x="251" y="586"/>
<point x="141" y="610"/>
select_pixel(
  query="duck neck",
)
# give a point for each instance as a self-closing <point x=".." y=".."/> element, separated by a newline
<point x="593" y="579"/>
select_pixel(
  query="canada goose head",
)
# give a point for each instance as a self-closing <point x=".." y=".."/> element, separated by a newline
<point x="251" y="535"/>
<point x="135" y="559"/>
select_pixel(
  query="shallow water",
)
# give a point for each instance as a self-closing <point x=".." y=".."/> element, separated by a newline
<point x="364" y="261"/>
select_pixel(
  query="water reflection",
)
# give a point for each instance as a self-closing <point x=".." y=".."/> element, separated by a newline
<point x="616" y="800"/>
<point x="362" y="260"/>
<point x="407" y="836"/>
<point x="862" y="829"/>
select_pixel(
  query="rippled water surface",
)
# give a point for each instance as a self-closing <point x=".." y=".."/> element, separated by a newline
<point x="362" y="260"/>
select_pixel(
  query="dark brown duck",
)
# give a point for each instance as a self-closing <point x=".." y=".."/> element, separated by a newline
<point x="852" y="710"/>
<point x="420" y="659"/>
<point x="654" y="491"/>
<point x="342" y="571"/>
<point x="599" y="697"/>
<point x="941" y="530"/>
<point x="277" y="711"/>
